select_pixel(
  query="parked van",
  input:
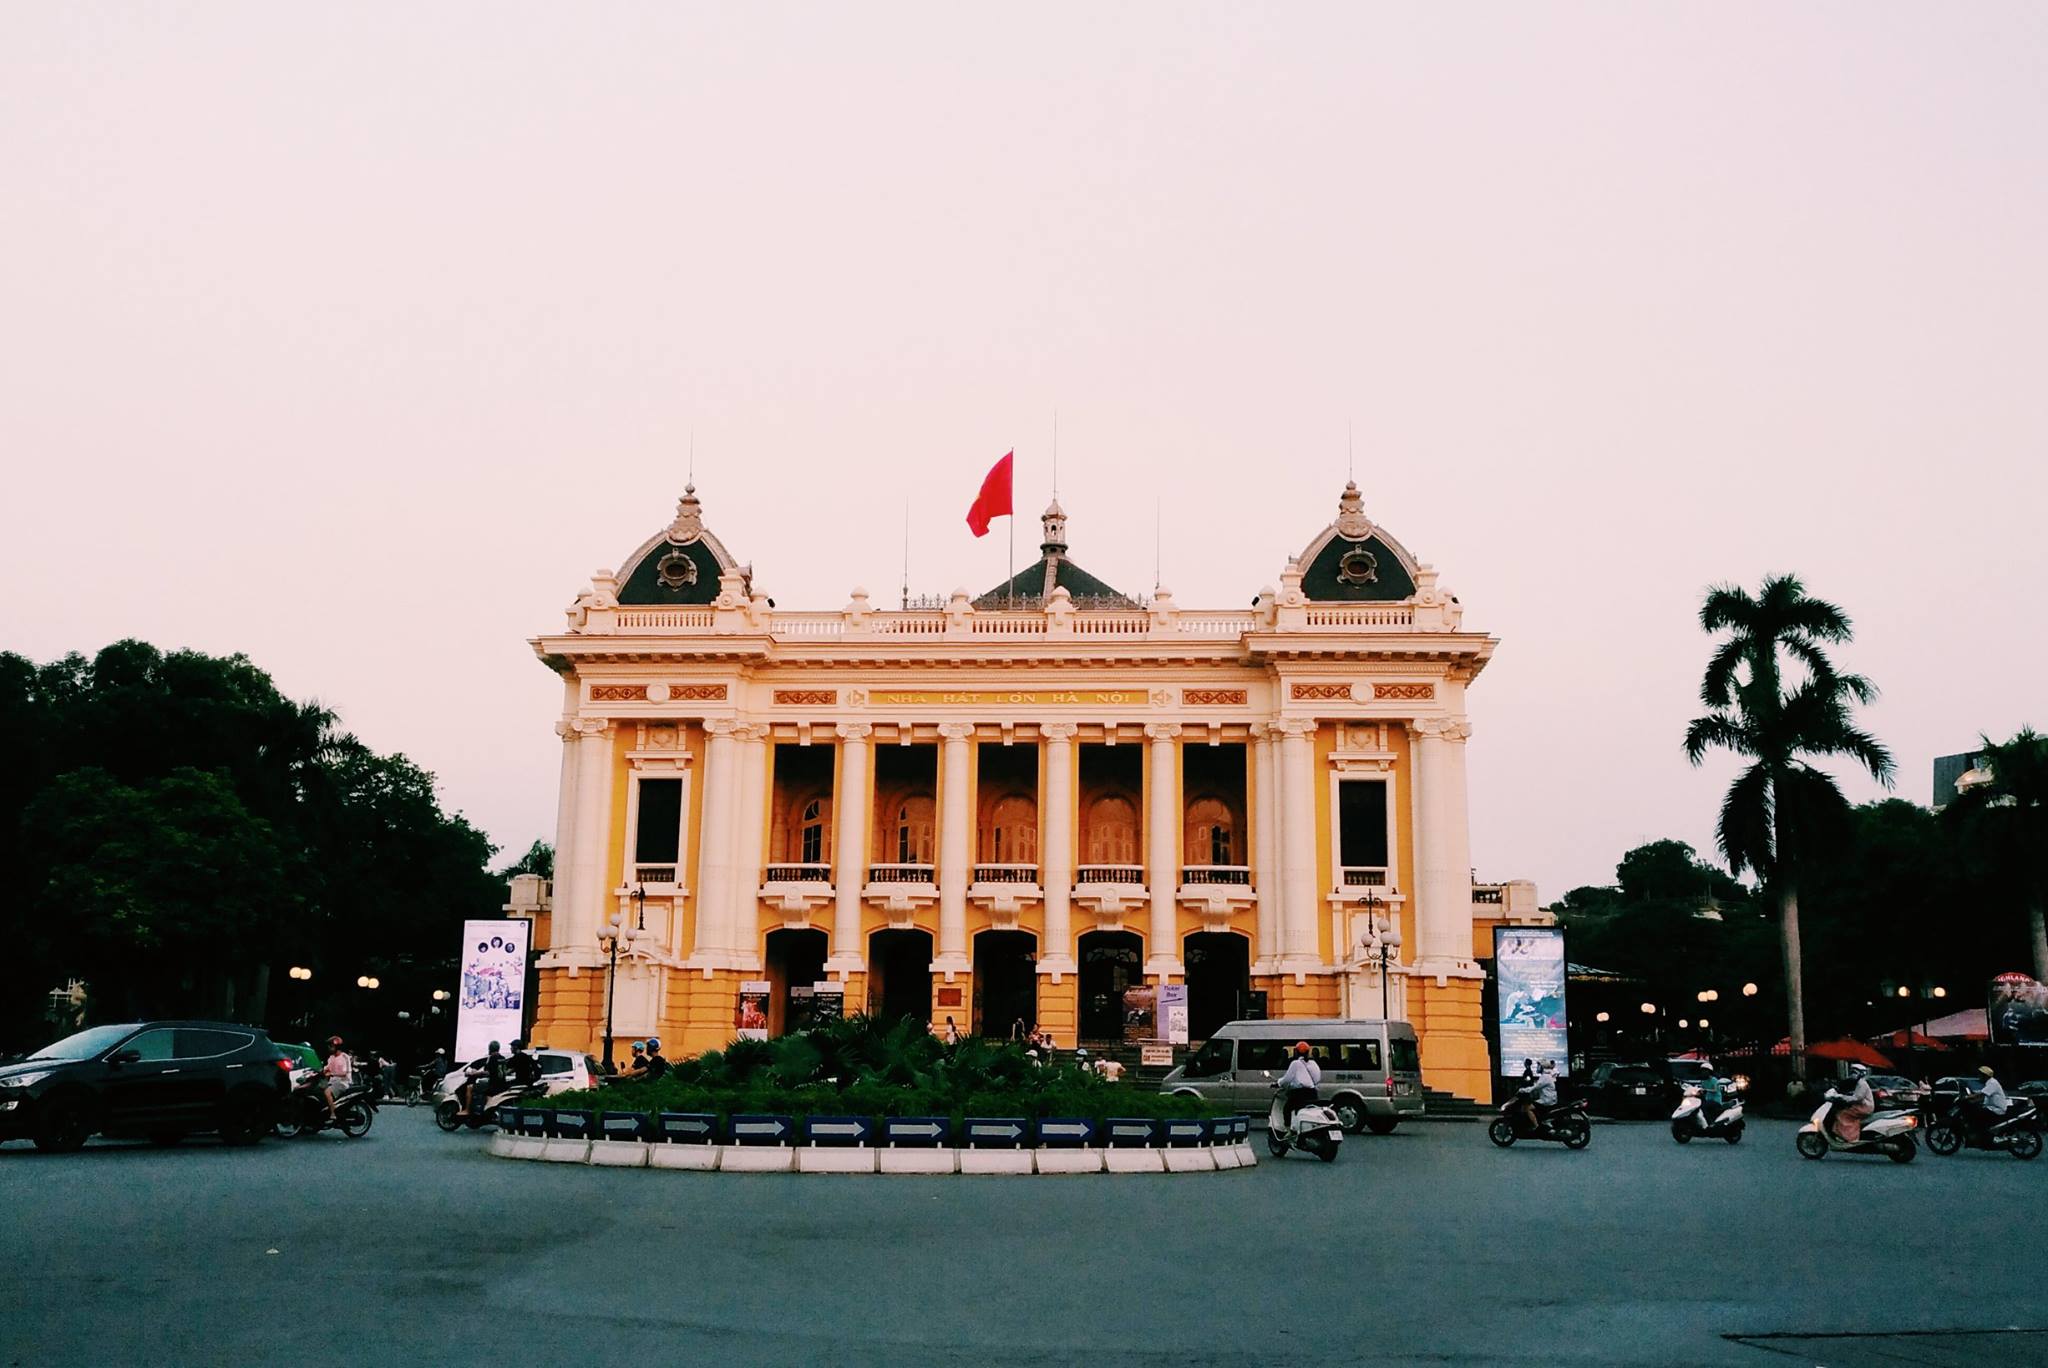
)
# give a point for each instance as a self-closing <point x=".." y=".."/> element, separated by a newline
<point x="1372" y="1071"/>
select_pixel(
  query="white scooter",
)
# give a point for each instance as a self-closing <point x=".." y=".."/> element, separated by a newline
<point x="1315" y="1129"/>
<point x="1690" y="1121"/>
<point x="1889" y="1133"/>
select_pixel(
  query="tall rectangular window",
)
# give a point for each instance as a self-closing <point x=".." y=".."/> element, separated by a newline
<point x="1362" y="823"/>
<point x="658" y="839"/>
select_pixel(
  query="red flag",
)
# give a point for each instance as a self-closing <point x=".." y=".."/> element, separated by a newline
<point x="994" y="499"/>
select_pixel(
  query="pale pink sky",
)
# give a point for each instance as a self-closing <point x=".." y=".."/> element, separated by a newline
<point x="354" y="337"/>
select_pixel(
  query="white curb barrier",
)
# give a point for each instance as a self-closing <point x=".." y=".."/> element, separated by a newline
<point x="1069" y="1161"/>
<point x="1245" y="1157"/>
<point x="618" y="1153"/>
<point x="919" y="1161"/>
<point x="995" y="1161"/>
<point x="757" y="1159"/>
<point x="702" y="1158"/>
<point x="1133" y="1161"/>
<point x="1190" y="1161"/>
<point x="565" y="1151"/>
<point x="1224" y="1155"/>
<point x="819" y="1160"/>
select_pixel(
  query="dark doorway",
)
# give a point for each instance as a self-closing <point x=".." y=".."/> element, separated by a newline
<point x="1111" y="961"/>
<point x="900" y="976"/>
<point x="796" y="959"/>
<point x="1005" y="982"/>
<point x="1219" y="972"/>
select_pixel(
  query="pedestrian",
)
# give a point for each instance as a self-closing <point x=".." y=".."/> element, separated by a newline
<point x="1111" y="1069"/>
<point x="952" y="1032"/>
<point x="656" y="1065"/>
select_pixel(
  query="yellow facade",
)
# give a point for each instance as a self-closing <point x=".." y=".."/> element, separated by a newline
<point x="1002" y="885"/>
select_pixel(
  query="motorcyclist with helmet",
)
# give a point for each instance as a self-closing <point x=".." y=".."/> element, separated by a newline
<point x="1539" y="1095"/>
<point x="525" y="1065"/>
<point x="1300" y="1082"/>
<point x="1852" y="1107"/>
<point x="490" y="1073"/>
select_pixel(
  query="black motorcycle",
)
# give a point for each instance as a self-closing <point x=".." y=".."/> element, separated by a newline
<point x="1567" y="1123"/>
<point x="305" y="1111"/>
<point x="2018" y="1132"/>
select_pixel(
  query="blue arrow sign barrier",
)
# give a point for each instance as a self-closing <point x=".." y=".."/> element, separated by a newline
<point x="574" y="1125"/>
<point x="997" y="1132"/>
<point x="508" y="1119"/>
<point x="916" y="1132"/>
<point x="1183" y="1132"/>
<point x="1065" y="1132"/>
<point x="626" y="1126"/>
<point x="688" y="1128"/>
<point x="839" y="1131"/>
<point x="534" y="1121"/>
<point x="1240" y="1129"/>
<point x="1129" y="1132"/>
<point x="763" y="1130"/>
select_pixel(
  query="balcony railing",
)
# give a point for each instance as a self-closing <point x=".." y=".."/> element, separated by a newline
<point x="958" y="620"/>
<point x="654" y="874"/>
<point x="1110" y="874"/>
<point x="1365" y="876"/>
<point x="900" y="873"/>
<point x="1006" y="873"/>
<point x="799" y="873"/>
<point x="1215" y="874"/>
<point x="1491" y="897"/>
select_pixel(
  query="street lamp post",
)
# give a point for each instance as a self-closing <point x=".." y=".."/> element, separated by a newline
<point x="611" y="933"/>
<point x="1382" y="938"/>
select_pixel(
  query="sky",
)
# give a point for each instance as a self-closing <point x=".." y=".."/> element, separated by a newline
<point x="355" y="338"/>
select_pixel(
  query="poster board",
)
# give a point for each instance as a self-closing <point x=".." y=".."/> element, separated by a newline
<point x="1173" y="1013"/>
<point x="750" y="1013"/>
<point x="2016" y="1010"/>
<point x="490" y="1002"/>
<point x="1529" y="978"/>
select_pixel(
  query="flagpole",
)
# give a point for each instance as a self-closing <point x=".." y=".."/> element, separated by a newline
<point x="1009" y="587"/>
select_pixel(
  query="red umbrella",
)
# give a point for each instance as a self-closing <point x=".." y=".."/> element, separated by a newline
<point x="1910" y="1039"/>
<point x="1849" y="1052"/>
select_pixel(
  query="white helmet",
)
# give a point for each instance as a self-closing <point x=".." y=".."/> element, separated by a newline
<point x="1859" y="1070"/>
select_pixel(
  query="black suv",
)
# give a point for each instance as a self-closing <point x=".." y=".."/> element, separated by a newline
<point x="160" y="1079"/>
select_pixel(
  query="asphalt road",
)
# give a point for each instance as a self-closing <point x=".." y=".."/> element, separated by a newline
<point x="1428" y="1246"/>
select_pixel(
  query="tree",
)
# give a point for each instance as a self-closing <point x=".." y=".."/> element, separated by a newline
<point x="2006" y="819"/>
<point x="1781" y="812"/>
<point x="538" y="859"/>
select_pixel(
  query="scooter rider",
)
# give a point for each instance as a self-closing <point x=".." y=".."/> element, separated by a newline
<point x="1300" y="1081"/>
<point x="1540" y="1095"/>
<point x="1852" y="1106"/>
<point x="490" y="1074"/>
<point x="1983" y="1107"/>
<point x="525" y="1065"/>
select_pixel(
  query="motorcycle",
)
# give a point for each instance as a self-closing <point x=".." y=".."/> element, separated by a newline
<point x="1315" y="1129"/>
<point x="1567" y="1123"/>
<point x="1691" y="1121"/>
<point x="305" y="1111"/>
<point x="448" y="1114"/>
<point x="2017" y="1132"/>
<point x="1889" y="1133"/>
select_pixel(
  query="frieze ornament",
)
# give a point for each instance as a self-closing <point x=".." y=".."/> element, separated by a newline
<point x="617" y="693"/>
<point x="1214" y="698"/>
<point x="807" y="697"/>
<point x="1162" y="698"/>
<point x="1320" y="692"/>
<point x="856" y="698"/>
<point x="697" y="693"/>
<point x="1407" y="691"/>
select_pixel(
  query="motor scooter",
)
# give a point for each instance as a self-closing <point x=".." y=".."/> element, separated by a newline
<point x="1567" y="1123"/>
<point x="1691" y="1121"/>
<point x="1889" y="1133"/>
<point x="449" y="1116"/>
<point x="305" y="1111"/>
<point x="1315" y="1128"/>
<point x="2017" y="1132"/>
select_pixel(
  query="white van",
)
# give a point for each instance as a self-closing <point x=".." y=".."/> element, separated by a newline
<point x="1372" y="1070"/>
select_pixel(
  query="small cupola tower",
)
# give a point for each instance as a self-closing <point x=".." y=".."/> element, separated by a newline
<point x="1055" y="520"/>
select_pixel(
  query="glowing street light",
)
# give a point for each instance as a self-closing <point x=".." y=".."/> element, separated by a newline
<point x="1600" y="1016"/>
<point x="366" y="981"/>
<point x="299" y="971"/>
<point x="1649" y="1009"/>
<point x="1749" y="990"/>
<point x="1940" y="992"/>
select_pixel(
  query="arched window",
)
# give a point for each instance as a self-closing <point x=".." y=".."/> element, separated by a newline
<point x="1211" y="833"/>
<point x="1112" y="832"/>
<point x="1011" y="835"/>
<point x="915" y="825"/>
<point x="811" y="833"/>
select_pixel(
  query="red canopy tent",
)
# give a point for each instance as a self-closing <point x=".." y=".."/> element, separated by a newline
<point x="1909" y="1039"/>
<point x="1849" y="1052"/>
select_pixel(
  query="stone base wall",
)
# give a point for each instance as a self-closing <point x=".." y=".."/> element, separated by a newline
<point x="1455" y="1057"/>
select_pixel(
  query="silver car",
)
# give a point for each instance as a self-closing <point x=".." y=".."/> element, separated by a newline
<point x="1372" y="1070"/>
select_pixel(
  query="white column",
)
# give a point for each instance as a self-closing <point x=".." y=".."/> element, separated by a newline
<point x="956" y="829"/>
<point x="577" y="908"/>
<point x="1299" y="943"/>
<point x="750" y="821"/>
<point x="714" y="848"/>
<point x="1162" y="848"/>
<point x="1443" y="882"/>
<point x="565" y="819"/>
<point x="1265" y="848"/>
<point x="850" y="848"/>
<point x="1056" y="852"/>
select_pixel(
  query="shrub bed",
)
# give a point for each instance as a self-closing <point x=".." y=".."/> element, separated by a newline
<point x="860" y="1067"/>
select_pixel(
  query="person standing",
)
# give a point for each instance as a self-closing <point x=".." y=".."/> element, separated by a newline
<point x="952" y="1032"/>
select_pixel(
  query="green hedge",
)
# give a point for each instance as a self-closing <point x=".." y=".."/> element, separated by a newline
<point x="861" y="1067"/>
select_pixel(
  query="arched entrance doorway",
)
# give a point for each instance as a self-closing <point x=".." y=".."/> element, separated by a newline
<point x="1005" y="982"/>
<point x="1219" y="972"/>
<point x="900" y="976"/>
<point x="1111" y="961"/>
<point x="795" y="958"/>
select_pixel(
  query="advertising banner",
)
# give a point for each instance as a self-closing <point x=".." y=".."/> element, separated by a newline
<point x="816" y="1004"/>
<point x="491" y="1002"/>
<point x="1141" y="1012"/>
<point x="2016" y="1009"/>
<point x="1173" y="1013"/>
<point x="1528" y="967"/>
<point x="750" y="1018"/>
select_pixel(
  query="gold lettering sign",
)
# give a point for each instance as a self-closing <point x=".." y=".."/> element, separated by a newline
<point x="1021" y="698"/>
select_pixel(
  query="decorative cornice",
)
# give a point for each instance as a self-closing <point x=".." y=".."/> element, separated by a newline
<point x="1287" y="727"/>
<point x="587" y="727"/>
<point x="722" y="726"/>
<point x="1442" y="728"/>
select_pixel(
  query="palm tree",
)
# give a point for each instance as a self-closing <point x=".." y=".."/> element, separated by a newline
<point x="1779" y="811"/>
<point x="2009" y="813"/>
